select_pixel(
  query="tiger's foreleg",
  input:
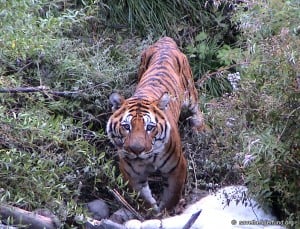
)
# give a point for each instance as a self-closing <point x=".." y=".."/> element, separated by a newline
<point x="174" y="187"/>
<point x="139" y="183"/>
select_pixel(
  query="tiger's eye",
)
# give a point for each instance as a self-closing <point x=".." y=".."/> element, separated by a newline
<point x="150" y="127"/>
<point x="126" y="126"/>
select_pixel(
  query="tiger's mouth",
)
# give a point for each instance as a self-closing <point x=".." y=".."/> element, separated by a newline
<point x="156" y="148"/>
<point x="132" y="156"/>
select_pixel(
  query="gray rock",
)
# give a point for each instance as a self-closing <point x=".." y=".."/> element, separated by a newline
<point x="121" y="216"/>
<point x="98" y="209"/>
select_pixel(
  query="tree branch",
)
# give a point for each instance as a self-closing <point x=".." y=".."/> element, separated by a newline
<point x="41" y="89"/>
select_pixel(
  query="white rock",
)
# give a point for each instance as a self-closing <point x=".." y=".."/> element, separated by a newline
<point x="133" y="224"/>
<point x="229" y="207"/>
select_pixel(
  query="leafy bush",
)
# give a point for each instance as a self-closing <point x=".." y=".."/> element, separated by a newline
<point x="207" y="54"/>
<point x="270" y="100"/>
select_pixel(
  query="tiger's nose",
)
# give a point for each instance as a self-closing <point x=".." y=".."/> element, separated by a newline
<point x="137" y="148"/>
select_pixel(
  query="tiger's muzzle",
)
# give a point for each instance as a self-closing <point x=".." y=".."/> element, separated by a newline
<point x="137" y="146"/>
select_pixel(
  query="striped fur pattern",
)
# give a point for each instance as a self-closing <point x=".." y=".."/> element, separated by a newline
<point x="144" y="127"/>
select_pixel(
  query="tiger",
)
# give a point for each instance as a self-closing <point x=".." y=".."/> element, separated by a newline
<point x="144" y="127"/>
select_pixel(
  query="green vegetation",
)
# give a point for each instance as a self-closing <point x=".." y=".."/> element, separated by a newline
<point x="53" y="146"/>
<point x="270" y="98"/>
<point x="53" y="149"/>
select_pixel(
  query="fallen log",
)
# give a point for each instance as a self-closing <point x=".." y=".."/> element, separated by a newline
<point x="25" y="218"/>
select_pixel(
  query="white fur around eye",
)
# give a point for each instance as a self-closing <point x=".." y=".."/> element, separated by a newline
<point x="126" y="118"/>
<point x="149" y="121"/>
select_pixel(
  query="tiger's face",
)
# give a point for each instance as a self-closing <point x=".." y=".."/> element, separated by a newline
<point x="138" y="128"/>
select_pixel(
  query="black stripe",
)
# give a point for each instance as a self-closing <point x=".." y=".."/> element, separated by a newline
<point x="130" y="165"/>
<point x="168" y="85"/>
<point x="119" y="112"/>
<point x="110" y="128"/>
<point x="114" y="126"/>
<point x="158" y="113"/>
<point x="128" y="173"/>
<point x="146" y="110"/>
<point x="140" y="105"/>
<point x="155" y="90"/>
<point x="170" y="153"/>
<point x="149" y="60"/>
<point x="151" y="91"/>
<point x="163" y="74"/>
<point x="154" y="158"/>
<point x="163" y="132"/>
<point x="143" y="93"/>
<point x="185" y="81"/>
<point x="171" y="170"/>
<point x="157" y="68"/>
<point x="167" y="57"/>
<point x="178" y="63"/>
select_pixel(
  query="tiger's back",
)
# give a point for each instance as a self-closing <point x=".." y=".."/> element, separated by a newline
<point x="165" y="69"/>
<point x="144" y="126"/>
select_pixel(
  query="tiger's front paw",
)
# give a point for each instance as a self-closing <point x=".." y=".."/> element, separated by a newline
<point x="155" y="209"/>
<point x="150" y="200"/>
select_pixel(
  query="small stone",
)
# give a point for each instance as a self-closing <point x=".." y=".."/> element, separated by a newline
<point x="122" y="215"/>
<point x="98" y="209"/>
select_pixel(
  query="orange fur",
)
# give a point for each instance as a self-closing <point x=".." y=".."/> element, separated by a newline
<point x="144" y="127"/>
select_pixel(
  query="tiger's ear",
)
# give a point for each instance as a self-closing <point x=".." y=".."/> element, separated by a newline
<point x="116" y="100"/>
<point x="163" y="101"/>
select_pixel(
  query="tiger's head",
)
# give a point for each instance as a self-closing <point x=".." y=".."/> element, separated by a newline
<point x="138" y="128"/>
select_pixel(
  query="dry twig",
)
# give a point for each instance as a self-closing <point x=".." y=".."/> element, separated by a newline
<point x="126" y="204"/>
